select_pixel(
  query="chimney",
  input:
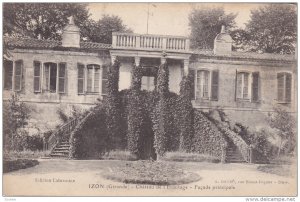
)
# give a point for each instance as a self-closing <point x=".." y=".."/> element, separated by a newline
<point x="71" y="35"/>
<point x="223" y="43"/>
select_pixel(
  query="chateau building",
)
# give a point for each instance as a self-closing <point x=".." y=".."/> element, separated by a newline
<point x="52" y="75"/>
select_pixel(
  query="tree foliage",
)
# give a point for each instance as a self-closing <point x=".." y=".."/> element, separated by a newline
<point x="101" y="30"/>
<point x="206" y="23"/>
<point x="273" y="28"/>
<point x="44" y="20"/>
<point x="285" y="123"/>
<point x="15" y="118"/>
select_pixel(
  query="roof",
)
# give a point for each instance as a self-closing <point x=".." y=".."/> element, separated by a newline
<point x="49" y="44"/>
<point x="247" y="55"/>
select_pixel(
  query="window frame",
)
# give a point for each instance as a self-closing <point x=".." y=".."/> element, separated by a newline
<point x="208" y="84"/>
<point x="249" y="84"/>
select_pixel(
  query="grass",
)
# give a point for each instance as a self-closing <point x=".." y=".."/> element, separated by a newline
<point x="150" y="172"/>
<point x="12" y="165"/>
<point x="190" y="157"/>
<point x="26" y="154"/>
<point x="119" y="155"/>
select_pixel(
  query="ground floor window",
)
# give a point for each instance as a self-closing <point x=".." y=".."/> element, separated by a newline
<point x="89" y="79"/>
<point x="284" y="87"/>
<point x="206" y="84"/>
<point x="247" y="86"/>
<point x="13" y="74"/>
<point x="54" y="77"/>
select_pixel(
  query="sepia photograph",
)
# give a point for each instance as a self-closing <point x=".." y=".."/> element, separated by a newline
<point x="149" y="99"/>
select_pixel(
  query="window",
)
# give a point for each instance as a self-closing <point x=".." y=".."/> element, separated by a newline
<point x="89" y="79"/>
<point x="202" y="84"/>
<point x="247" y="86"/>
<point x="284" y="87"/>
<point x="93" y="78"/>
<point x="13" y="75"/>
<point x="207" y="84"/>
<point x="242" y="83"/>
<point x="147" y="83"/>
<point x="37" y="76"/>
<point x="55" y="77"/>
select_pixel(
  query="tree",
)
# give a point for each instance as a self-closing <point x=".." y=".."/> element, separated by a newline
<point x="241" y="40"/>
<point x="206" y="23"/>
<point x="285" y="123"/>
<point x="15" y="117"/>
<point x="101" y="31"/>
<point x="42" y="20"/>
<point x="273" y="28"/>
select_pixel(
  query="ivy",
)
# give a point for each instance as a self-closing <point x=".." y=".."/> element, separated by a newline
<point x="113" y="107"/>
<point x="160" y="114"/>
<point x="185" y="108"/>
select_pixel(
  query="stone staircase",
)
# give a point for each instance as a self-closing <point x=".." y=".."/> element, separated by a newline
<point x="233" y="154"/>
<point x="61" y="150"/>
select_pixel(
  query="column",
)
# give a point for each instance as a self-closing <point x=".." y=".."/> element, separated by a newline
<point x="137" y="60"/>
<point x="163" y="60"/>
<point x="113" y="58"/>
<point x="186" y="66"/>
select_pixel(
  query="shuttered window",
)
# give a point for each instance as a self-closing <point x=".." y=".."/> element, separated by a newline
<point x="80" y="78"/>
<point x="242" y="85"/>
<point x="215" y="85"/>
<point x="18" y="75"/>
<point x="284" y="87"/>
<point x="37" y="76"/>
<point x="8" y="74"/>
<point x="255" y="87"/>
<point x="93" y="78"/>
<point x="61" y="77"/>
<point x="202" y="84"/>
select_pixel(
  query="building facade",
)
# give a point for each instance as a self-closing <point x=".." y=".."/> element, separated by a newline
<point x="52" y="75"/>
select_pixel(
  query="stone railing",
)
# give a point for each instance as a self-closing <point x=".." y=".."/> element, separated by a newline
<point x="150" y="42"/>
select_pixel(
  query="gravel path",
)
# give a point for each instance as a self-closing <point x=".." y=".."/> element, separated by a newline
<point x="83" y="178"/>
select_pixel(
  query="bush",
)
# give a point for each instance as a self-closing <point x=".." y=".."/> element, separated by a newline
<point x="190" y="157"/>
<point x="89" y="138"/>
<point x="12" y="165"/>
<point x="208" y="139"/>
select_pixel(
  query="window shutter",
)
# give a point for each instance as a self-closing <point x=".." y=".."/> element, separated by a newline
<point x="37" y="76"/>
<point x="280" y="87"/>
<point x="239" y="85"/>
<point x="61" y="77"/>
<point x="255" y="86"/>
<point x="192" y="75"/>
<point x="80" y="78"/>
<point x="96" y="78"/>
<point x="215" y="85"/>
<point x="288" y="87"/>
<point x="18" y="75"/>
<point x="104" y="80"/>
<point x="8" y="74"/>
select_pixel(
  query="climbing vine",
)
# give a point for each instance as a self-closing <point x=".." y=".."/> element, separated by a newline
<point x="185" y="116"/>
<point x="113" y="107"/>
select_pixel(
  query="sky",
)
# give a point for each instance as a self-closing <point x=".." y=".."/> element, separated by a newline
<point x="165" y="18"/>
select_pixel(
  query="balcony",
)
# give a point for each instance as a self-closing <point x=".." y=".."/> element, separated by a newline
<point x="131" y="41"/>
